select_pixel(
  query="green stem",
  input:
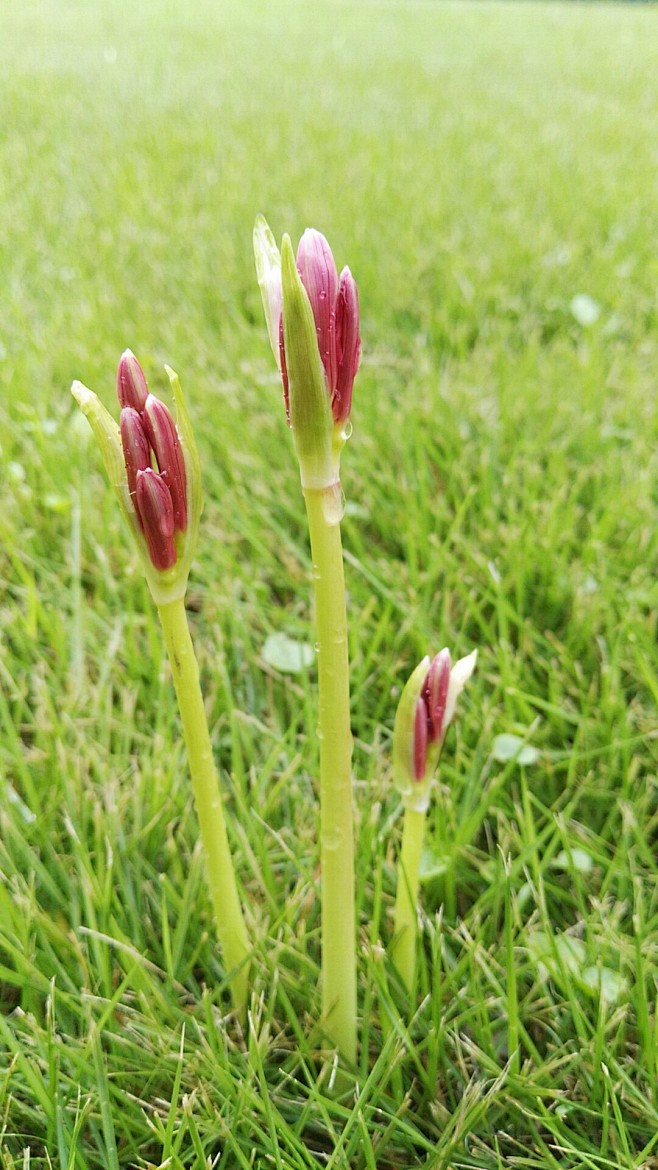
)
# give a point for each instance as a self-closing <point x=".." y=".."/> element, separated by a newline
<point x="336" y="822"/>
<point x="231" y="928"/>
<point x="406" y="904"/>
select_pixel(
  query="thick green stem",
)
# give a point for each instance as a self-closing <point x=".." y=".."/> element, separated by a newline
<point x="323" y="509"/>
<point x="231" y="928"/>
<point x="406" y="903"/>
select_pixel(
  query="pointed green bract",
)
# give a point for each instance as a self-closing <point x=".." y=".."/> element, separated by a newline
<point x="108" y="438"/>
<point x="310" y="407"/>
<point x="268" y="272"/>
<point x="414" y="793"/>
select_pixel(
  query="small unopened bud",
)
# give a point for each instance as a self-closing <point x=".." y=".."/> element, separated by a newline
<point x="163" y="437"/>
<point x="131" y="382"/>
<point x="156" y="514"/>
<point x="136" y="447"/>
<point x="348" y="346"/>
<point x="316" y="266"/>
<point x="425" y="711"/>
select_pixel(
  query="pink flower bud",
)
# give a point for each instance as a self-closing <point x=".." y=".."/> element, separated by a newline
<point x="316" y="266"/>
<point x="156" y="514"/>
<point x="131" y="383"/>
<point x="435" y="693"/>
<point x="284" y="371"/>
<point x="348" y="346"/>
<point x="136" y="447"/>
<point x="420" y="740"/>
<point x="163" y="437"/>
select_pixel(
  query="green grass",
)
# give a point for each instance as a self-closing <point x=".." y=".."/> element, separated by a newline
<point x="478" y="166"/>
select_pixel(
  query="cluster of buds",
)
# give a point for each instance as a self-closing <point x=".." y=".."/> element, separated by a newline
<point x="148" y="435"/>
<point x="153" y="463"/>
<point x="312" y="317"/>
<point x="425" y="712"/>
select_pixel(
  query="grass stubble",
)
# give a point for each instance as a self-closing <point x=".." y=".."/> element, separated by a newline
<point x="502" y="488"/>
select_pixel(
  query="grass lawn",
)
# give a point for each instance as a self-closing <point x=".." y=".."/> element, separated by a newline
<point x="489" y="173"/>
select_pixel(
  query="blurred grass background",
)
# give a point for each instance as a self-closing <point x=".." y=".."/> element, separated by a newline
<point x="488" y="171"/>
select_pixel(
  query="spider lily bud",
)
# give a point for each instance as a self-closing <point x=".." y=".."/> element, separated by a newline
<point x="316" y="267"/>
<point x="162" y="507"/>
<point x="131" y="382"/>
<point x="156" y="512"/>
<point x="136" y="447"/>
<point x="425" y="711"/>
<point x="348" y="346"/>
<point x="435" y="694"/>
<point x="163" y="437"/>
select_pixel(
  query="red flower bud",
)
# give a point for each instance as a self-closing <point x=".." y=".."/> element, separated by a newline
<point x="131" y="383"/>
<point x="163" y="437"/>
<point x="430" y="710"/>
<point x="348" y="346"/>
<point x="284" y="371"/>
<point x="156" y="514"/>
<point x="136" y="447"/>
<point x="316" y="266"/>
<point x="435" y="693"/>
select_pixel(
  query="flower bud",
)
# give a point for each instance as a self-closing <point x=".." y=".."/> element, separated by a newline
<point x="131" y="382"/>
<point x="425" y="711"/>
<point x="435" y="694"/>
<point x="284" y="371"/>
<point x="348" y="346"/>
<point x="156" y="514"/>
<point x="163" y="437"/>
<point x="316" y="266"/>
<point x="136" y="447"/>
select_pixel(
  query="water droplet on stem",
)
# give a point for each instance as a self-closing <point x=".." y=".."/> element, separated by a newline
<point x="333" y="504"/>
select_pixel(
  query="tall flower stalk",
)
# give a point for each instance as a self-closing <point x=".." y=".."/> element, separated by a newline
<point x="312" y="315"/>
<point x="153" y="464"/>
<point x="425" y="711"/>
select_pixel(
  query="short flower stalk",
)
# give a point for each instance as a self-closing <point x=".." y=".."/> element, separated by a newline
<point x="312" y="317"/>
<point x="425" y="711"/>
<point x="152" y="461"/>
